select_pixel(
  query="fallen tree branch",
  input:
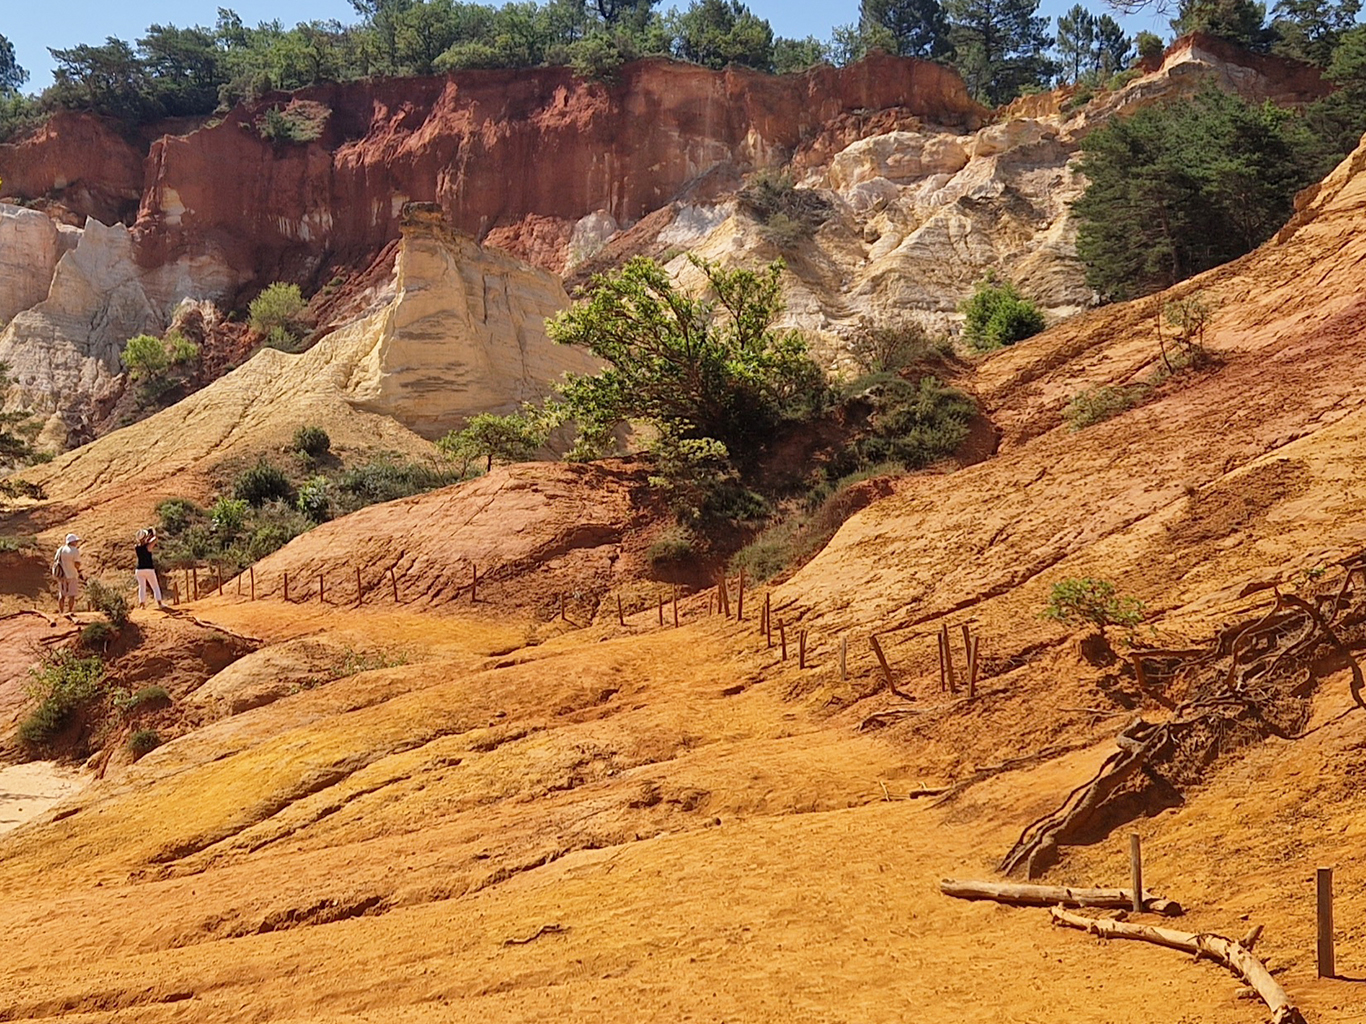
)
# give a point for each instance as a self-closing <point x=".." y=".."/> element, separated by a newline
<point x="1232" y="955"/>
<point x="30" y="611"/>
<point x="1053" y="895"/>
<point x="545" y="929"/>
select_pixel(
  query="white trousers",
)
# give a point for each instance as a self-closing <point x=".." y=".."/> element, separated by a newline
<point x="147" y="578"/>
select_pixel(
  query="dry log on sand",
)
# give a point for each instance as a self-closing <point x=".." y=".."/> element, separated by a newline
<point x="1232" y="955"/>
<point x="1053" y="895"/>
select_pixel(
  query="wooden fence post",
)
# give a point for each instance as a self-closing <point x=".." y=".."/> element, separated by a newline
<point x="286" y="586"/>
<point x="239" y="584"/>
<point x="882" y="660"/>
<point x="562" y="614"/>
<point x="252" y="570"/>
<point x="1136" y="871"/>
<point x="218" y="571"/>
<point x="195" y="569"/>
<point x="474" y="582"/>
<point x="948" y="660"/>
<point x="740" y="600"/>
<point x="1327" y="968"/>
<point x="972" y="670"/>
<point x="768" y="620"/>
<point x="621" y="616"/>
<point x="393" y="581"/>
<point x="175" y="590"/>
<point x="661" y="609"/>
<point x="943" y="658"/>
<point x="782" y="637"/>
<point x="724" y="593"/>
<point x="675" y="607"/>
<point x="801" y="649"/>
<point x="844" y="658"/>
<point x="360" y="594"/>
<point x="320" y="588"/>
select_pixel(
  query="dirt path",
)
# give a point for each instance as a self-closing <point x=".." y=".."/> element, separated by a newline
<point x="27" y="790"/>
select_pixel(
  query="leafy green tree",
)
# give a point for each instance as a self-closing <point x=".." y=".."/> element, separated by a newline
<point x="709" y="366"/>
<point x="715" y="33"/>
<point x="1310" y="30"/>
<point x="850" y="43"/>
<point x="1340" y="118"/>
<point x="1240" y="21"/>
<point x="1091" y="601"/>
<point x="12" y="76"/>
<point x="516" y="437"/>
<point x="185" y="68"/>
<point x="106" y="79"/>
<point x="17" y="429"/>
<point x="997" y="314"/>
<point x="999" y="47"/>
<point x="149" y="358"/>
<point x="1177" y="189"/>
<point x="792" y="55"/>
<point x="917" y="28"/>
<point x="1076" y="39"/>
<point x="1150" y="47"/>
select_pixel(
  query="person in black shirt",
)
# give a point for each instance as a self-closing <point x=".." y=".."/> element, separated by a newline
<point x="146" y="572"/>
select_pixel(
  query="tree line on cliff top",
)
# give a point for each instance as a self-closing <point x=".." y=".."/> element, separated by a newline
<point x="1001" y="47"/>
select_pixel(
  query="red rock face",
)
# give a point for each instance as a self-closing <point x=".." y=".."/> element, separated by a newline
<point x="78" y="158"/>
<point x="518" y="155"/>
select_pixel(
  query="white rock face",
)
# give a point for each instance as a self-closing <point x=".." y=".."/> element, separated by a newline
<point x="464" y="334"/>
<point x="898" y="157"/>
<point x="590" y="235"/>
<point x="63" y="351"/>
<point x="29" y="248"/>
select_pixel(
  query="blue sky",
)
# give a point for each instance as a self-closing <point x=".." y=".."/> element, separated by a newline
<point x="32" y="27"/>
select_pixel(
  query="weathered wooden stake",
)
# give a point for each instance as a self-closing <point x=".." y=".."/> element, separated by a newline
<point x="943" y="672"/>
<point x="621" y="615"/>
<point x="393" y="581"/>
<point x="661" y="609"/>
<point x="239" y="584"/>
<point x="675" y="608"/>
<point x="1327" y="968"/>
<point x="218" y="571"/>
<point x="252" y="569"/>
<point x="175" y="591"/>
<point x="320" y="588"/>
<point x="474" y="582"/>
<point x="562" y="614"/>
<point x="801" y="649"/>
<point x="972" y="670"/>
<point x="195" y="570"/>
<point x="782" y="636"/>
<point x="844" y="658"/>
<point x="723" y="593"/>
<point x="768" y="619"/>
<point x="948" y="660"/>
<point x="360" y="594"/>
<point x="740" y="600"/>
<point x="286" y="586"/>
<point x="882" y="660"/>
<point x="1136" y="871"/>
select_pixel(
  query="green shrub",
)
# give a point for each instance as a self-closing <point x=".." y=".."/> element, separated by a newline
<point x="676" y="544"/>
<point x="276" y="312"/>
<point x="315" y="499"/>
<point x="1092" y="405"/>
<point x="176" y="514"/>
<point x="916" y="424"/>
<point x="516" y="437"/>
<point x="284" y="340"/>
<point x="387" y="478"/>
<point x="261" y="483"/>
<point x="61" y="685"/>
<point x="96" y="635"/>
<point x="997" y="315"/>
<point x="788" y="214"/>
<point x="892" y="346"/>
<point x="300" y="121"/>
<point x="1075" y="601"/>
<point x="149" y="698"/>
<point x="229" y="515"/>
<point x="180" y="349"/>
<point x="312" y="441"/>
<point x="9" y="542"/>
<point x="143" y="741"/>
<point x="111" y="603"/>
<point x="146" y="357"/>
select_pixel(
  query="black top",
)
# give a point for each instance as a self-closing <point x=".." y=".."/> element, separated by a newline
<point x="144" y="557"/>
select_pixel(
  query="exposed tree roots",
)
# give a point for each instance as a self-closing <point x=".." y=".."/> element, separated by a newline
<point x="1254" y="681"/>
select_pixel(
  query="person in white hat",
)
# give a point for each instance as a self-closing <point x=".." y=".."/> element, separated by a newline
<point x="66" y="566"/>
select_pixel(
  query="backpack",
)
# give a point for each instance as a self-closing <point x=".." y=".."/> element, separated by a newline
<point x="57" y="565"/>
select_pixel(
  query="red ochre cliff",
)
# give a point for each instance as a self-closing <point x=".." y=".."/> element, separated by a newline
<point x="512" y="156"/>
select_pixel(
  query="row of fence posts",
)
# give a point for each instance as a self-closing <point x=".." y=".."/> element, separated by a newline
<point x="193" y="591"/>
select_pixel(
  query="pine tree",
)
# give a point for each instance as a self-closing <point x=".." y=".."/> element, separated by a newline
<point x="1076" y="39"/>
<point x="12" y="76"/>
<point x="919" y="28"/>
<point x="1239" y="21"/>
<point x="1310" y="30"/>
<point x="1111" y="48"/>
<point x="1000" y="47"/>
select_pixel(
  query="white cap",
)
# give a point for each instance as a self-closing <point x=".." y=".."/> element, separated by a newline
<point x="71" y="538"/>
